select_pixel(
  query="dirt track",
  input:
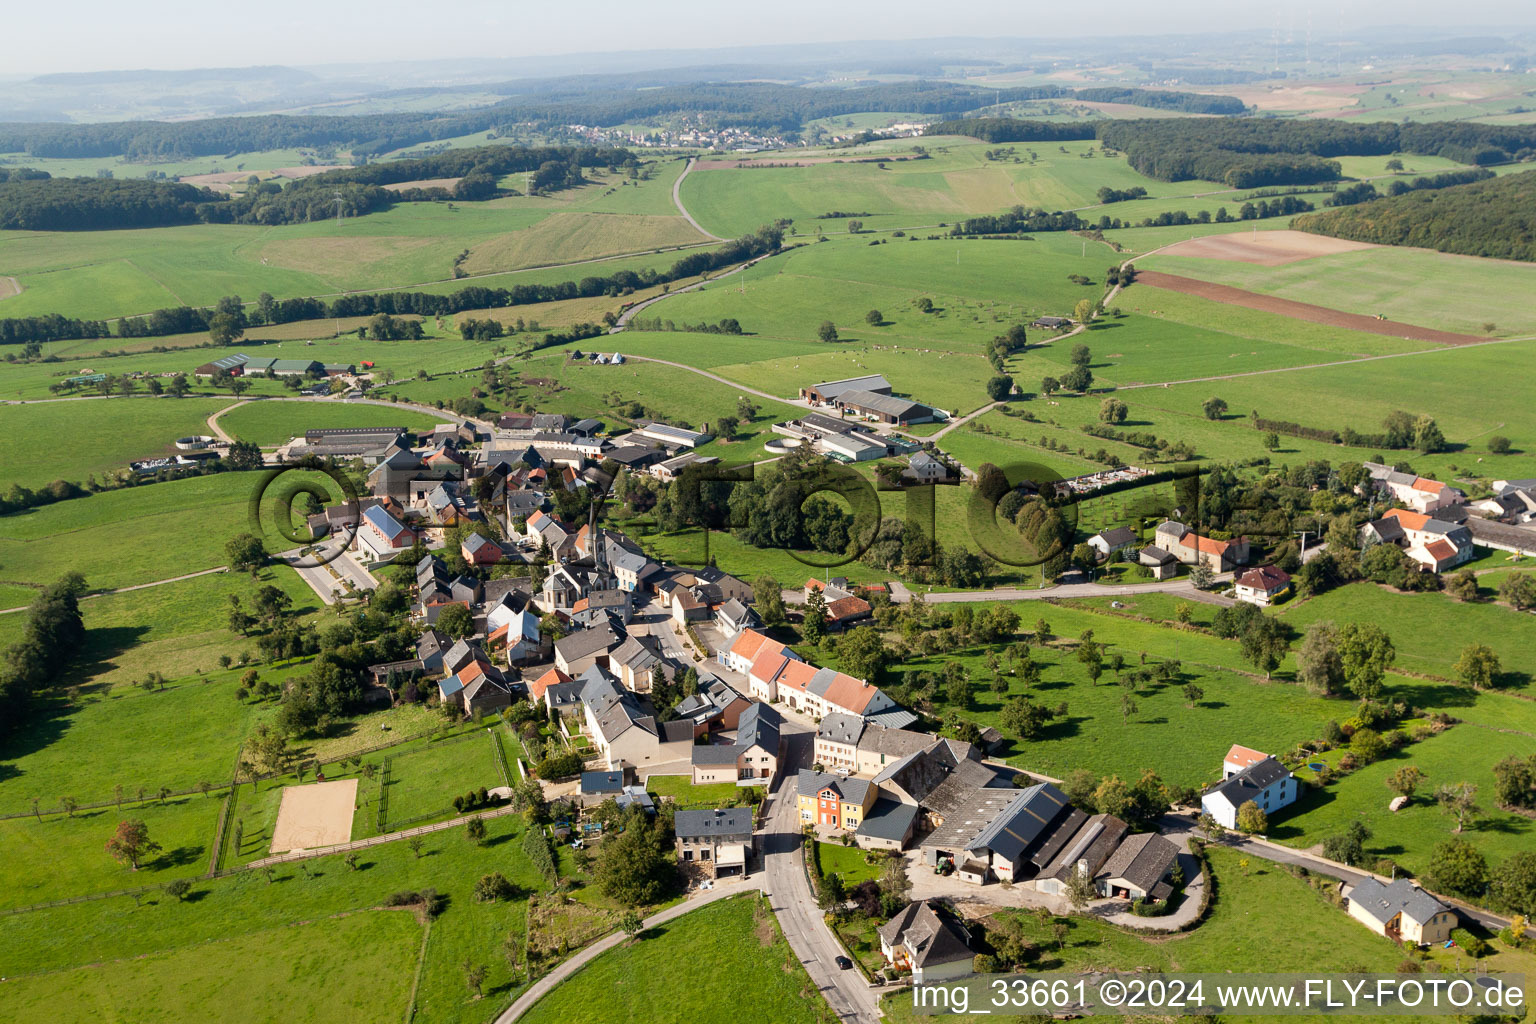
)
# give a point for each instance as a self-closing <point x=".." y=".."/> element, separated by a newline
<point x="1300" y="310"/>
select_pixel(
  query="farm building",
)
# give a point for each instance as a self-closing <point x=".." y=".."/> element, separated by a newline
<point x="827" y="392"/>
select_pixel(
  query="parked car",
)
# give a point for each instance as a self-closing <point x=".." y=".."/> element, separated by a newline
<point x="844" y="963"/>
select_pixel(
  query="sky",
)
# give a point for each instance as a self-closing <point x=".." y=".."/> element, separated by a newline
<point x="94" y="35"/>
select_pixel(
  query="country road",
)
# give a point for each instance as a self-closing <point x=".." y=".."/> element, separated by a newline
<point x="629" y="314"/>
<point x="677" y="201"/>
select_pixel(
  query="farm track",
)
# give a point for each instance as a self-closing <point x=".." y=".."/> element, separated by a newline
<point x="1299" y="310"/>
<point x="677" y="201"/>
<point x="136" y="586"/>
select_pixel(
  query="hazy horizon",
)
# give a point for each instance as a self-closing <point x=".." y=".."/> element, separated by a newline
<point x="91" y="36"/>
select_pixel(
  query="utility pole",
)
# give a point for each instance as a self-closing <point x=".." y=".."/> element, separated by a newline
<point x="1303" y="534"/>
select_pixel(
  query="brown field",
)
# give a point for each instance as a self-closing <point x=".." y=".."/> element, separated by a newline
<point x="9" y="286"/>
<point x="1300" y="310"/>
<point x="1265" y="248"/>
<point x="578" y="236"/>
<point x="319" y="814"/>
<point x="1335" y="97"/>
<point x="443" y="183"/>
<point x="227" y="178"/>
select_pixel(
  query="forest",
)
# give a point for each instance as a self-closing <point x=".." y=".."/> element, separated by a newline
<point x="1495" y="217"/>
<point x="1257" y="152"/>
<point x="42" y="203"/>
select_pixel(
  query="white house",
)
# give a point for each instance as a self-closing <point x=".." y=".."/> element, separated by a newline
<point x="1401" y="911"/>
<point x="935" y="948"/>
<point x="1110" y="541"/>
<point x="1263" y="586"/>
<point x="1267" y="783"/>
<point x="1418" y="493"/>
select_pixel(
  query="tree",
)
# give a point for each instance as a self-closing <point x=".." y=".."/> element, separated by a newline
<point x="494" y="888"/>
<point x="1211" y="827"/>
<point x="1519" y="590"/>
<point x="632" y="866"/>
<point x="1080" y="890"/>
<point x="831" y="894"/>
<point x="130" y="843"/>
<point x="1128" y="707"/>
<point x="246" y="553"/>
<point x="1515" y="781"/>
<point x="474" y="977"/>
<point x="1460" y="801"/>
<point x="1271" y="442"/>
<point x="456" y="621"/>
<point x="1112" y="410"/>
<point x="874" y="318"/>
<point x="1252" y="819"/>
<point x="1079" y="378"/>
<point x="1193" y="694"/>
<point x="813" y="625"/>
<point x="243" y="455"/>
<point x="1365" y="653"/>
<point x="1406" y="781"/>
<point x="768" y="598"/>
<point x="1265" y="643"/>
<point x="1427" y="437"/>
<point x="474" y="830"/>
<point x="1347" y="847"/>
<point x="225" y="329"/>
<point x="632" y="923"/>
<point x="1318" y="665"/>
<point x="999" y="387"/>
<point x="178" y="888"/>
<point x="1049" y="385"/>
<point x="1498" y="444"/>
<point x="1513" y="884"/>
<point x="925" y="304"/>
<point x="1201" y="576"/>
<point x="1214" y="408"/>
<point x="1478" y="667"/>
<point x="1463" y="586"/>
<point x="1367" y="745"/>
<point x="1457" y="867"/>
<point x="827" y="331"/>
<point x="1083" y="311"/>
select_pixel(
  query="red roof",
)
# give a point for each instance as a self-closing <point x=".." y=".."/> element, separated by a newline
<point x="846" y="608"/>
<point x="748" y="644"/>
<point x="1441" y="550"/>
<point x="1427" y="486"/>
<point x="1267" y="578"/>
<point x="796" y="675"/>
<point x="850" y="693"/>
<point x="1206" y="545"/>
<point x="1243" y="756"/>
<point x="1410" y="520"/>
<point x="545" y="681"/>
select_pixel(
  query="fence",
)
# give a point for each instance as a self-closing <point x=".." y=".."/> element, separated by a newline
<point x="501" y="758"/>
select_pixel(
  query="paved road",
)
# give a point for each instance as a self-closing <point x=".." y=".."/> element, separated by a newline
<point x="569" y="967"/>
<point x="1178" y="825"/>
<point x="1182" y="587"/>
<point x="789" y="893"/>
<point x="677" y="201"/>
<point x="326" y="586"/>
<point x="629" y="314"/>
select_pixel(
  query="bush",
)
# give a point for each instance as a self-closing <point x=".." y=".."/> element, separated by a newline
<point x="494" y="888"/>
<point x="1475" y="947"/>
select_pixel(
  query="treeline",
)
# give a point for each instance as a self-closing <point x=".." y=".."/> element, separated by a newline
<point x="1400" y="431"/>
<point x="1365" y="191"/>
<point x="755" y="105"/>
<point x="1121" y="195"/>
<point x="1250" y="153"/>
<point x="53" y="632"/>
<point x="85" y="204"/>
<point x="22" y="174"/>
<point x="269" y="311"/>
<point x="1494" y="218"/>
<point x="1021" y="219"/>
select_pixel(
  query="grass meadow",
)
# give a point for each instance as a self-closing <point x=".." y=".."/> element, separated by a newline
<point x="1416" y="286"/>
<point x="347" y="967"/>
<point x="74" y="440"/>
<point x="276" y="422"/>
<point x="104" y="274"/>
<point x="671" y="973"/>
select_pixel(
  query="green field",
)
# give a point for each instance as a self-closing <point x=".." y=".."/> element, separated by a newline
<point x="1416" y="286"/>
<point x="114" y="273"/>
<point x="956" y="181"/>
<point x="672" y="973"/>
<point x="75" y="440"/>
<point x="423" y="781"/>
<point x="681" y="789"/>
<point x="847" y="862"/>
<point x="274" y="423"/>
<point x="63" y="856"/>
<point x="349" y="967"/>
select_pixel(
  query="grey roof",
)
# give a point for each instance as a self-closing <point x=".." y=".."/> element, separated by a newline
<point x="734" y="610"/>
<point x="840" y="728"/>
<point x="887" y="405"/>
<point x="1516" y="537"/>
<point x="758" y="726"/>
<point x="680" y="434"/>
<point x="1118" y="537"/>
<point x="1022" y="822"/>
<point x="810" y="783"/>
<point x="1142" y="860"/>
<point x="830" y="389"/>
<point x="727" y="823"/>
<point x="714" y="753"/>
<point x="1091" y="845"/>
<point x="602" y="637"/>
<point x="1251" y="781"/>
<point x="1154" y="555"/>
<point x="932" y="939"/>
<point x="602" y="782"/>
<point x="1384" y="902"/>
<point x="889" y="819"/>
<point x="892" y="717"/>
<point x="599" y="688"/>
